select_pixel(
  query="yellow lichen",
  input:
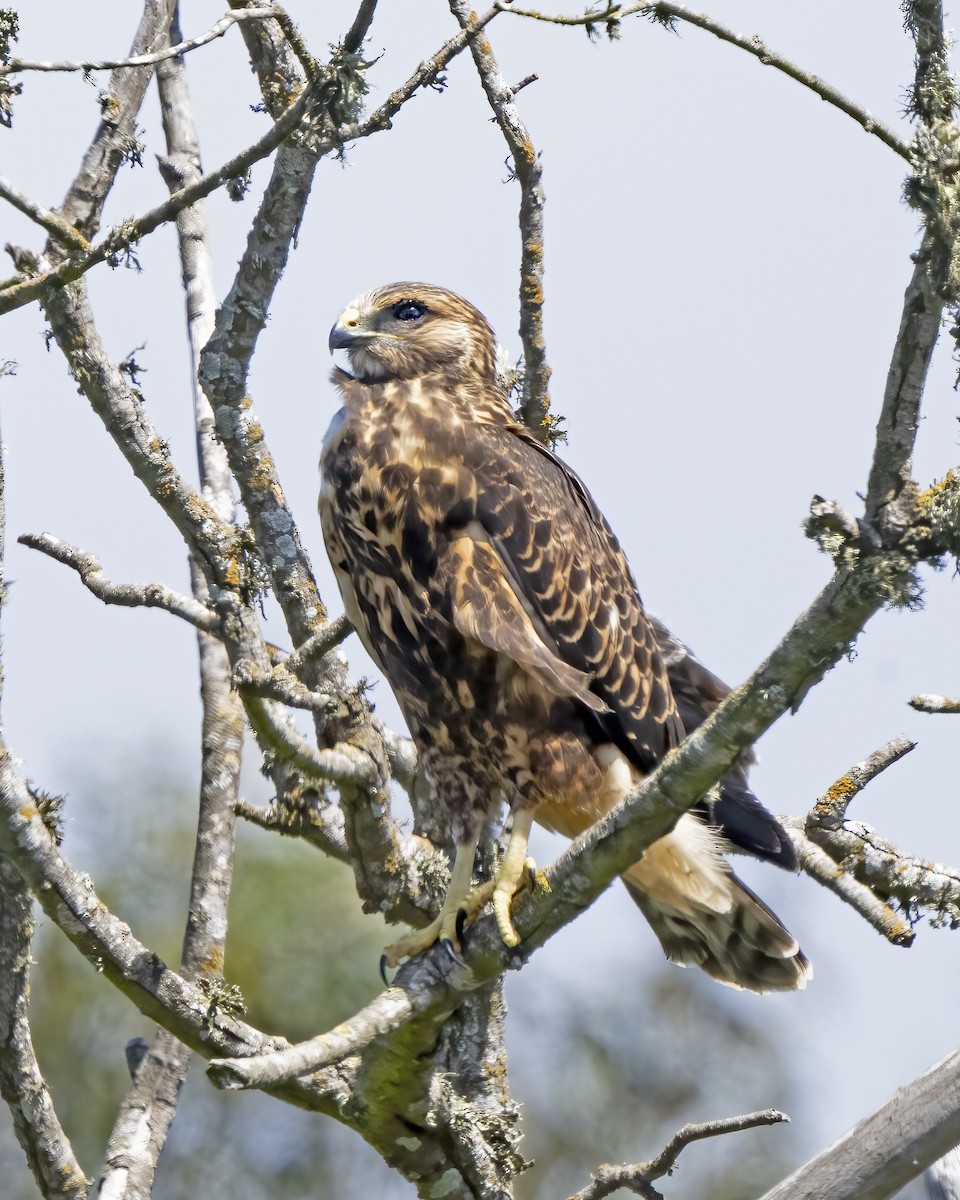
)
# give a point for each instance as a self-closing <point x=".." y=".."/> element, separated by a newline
<point x="843" y="790"/>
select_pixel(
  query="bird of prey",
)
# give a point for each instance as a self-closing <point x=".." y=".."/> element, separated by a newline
<point x="491" y="592"/>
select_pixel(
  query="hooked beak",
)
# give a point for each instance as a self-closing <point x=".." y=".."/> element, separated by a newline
<point x="347" y="331"/>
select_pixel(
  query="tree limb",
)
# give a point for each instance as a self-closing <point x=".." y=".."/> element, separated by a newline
<point x="52" y="222"/>
<point x="47" y="1149"/>
<point x="668" y="14"/>
<point x="890" y="1147"/>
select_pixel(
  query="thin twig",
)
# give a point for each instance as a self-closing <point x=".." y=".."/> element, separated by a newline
<point x="639" y="1176"/>
<point x="931" y="703"/>
<point x="669" y="13"/>
<point x="128" y="595"/>
<point x="16" y="65"/>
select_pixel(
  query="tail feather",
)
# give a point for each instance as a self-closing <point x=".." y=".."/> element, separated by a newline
<point x="746" y="946"/>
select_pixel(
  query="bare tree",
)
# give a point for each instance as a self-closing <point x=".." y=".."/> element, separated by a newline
<point x="421" y="1071"/>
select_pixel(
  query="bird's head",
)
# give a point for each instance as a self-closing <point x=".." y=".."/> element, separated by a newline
<point x="408" y="330"/>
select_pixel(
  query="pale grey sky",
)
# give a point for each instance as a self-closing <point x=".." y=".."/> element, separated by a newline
<point x="726" y="258"/>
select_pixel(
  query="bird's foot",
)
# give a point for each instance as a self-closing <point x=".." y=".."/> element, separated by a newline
<point x="513" y="877"/>
<point x="443" y="928"/>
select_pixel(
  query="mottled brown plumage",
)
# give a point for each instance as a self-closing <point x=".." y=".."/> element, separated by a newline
<point x="494" y="597"/>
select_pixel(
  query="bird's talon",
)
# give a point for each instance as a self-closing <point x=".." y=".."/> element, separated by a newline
<point x="461" y="921"/>
<point x="383" y="970"/>
<point x="453" y="949"/>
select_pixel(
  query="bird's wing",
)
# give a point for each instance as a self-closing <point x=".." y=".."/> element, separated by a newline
<point x="535" y="525"/>
<point x="486" y="606"/>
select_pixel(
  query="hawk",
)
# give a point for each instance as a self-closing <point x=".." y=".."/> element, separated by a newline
<point x="491" y="592"/>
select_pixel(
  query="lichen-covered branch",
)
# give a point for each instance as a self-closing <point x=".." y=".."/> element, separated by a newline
<point x="891" y="500"/>
<point x="816" y="863"/>
<point x="931" y="703"/>
<point x="535" y="401"/>
<point x="917" y="886"/>
<point x="830" y="810"/>
<point x="662" y="13"/>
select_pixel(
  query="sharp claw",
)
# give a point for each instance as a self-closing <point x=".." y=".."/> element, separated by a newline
<point x="453" y="950"/>
<point x="461" y="921"/>
<point x="383" y="970"/>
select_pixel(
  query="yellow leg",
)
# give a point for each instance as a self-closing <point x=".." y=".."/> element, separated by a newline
<point x="445" y="925"/>
<point x="514" y="866"/>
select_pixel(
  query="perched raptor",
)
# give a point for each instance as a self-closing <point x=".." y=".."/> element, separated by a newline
<point x="490" y="591"/>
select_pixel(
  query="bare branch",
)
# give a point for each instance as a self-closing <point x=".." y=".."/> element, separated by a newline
<point x="876" y="1158"/>
<point x="667" y="13"/>
<point x="638" y="1177"/>
<point x="128" y="595"/>
<point x="915" y="884"/>
<point x="16" y="65"/>
<point x="535" y="402"/>
<point x="930" y="703"/>
<point x="23" y="291"/>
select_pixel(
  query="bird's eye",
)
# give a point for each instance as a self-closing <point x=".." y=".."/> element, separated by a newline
<point x="409" y="310"/>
